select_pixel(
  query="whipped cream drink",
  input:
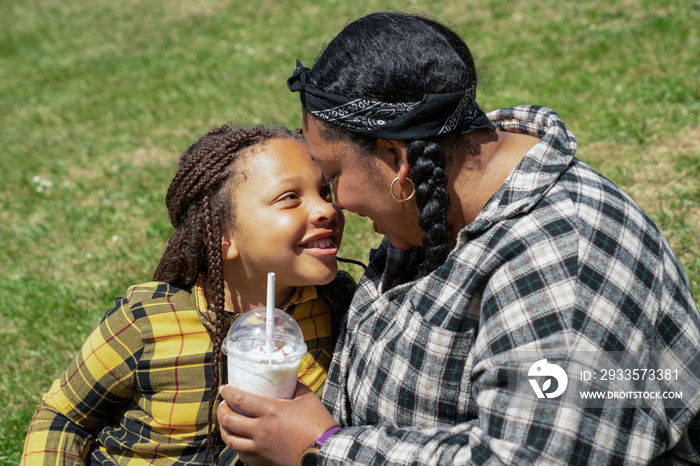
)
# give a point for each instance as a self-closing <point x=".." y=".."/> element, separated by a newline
<point x="274" y="378"/>
<point x="257" y="367"/>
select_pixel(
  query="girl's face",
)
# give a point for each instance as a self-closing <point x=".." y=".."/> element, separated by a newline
<point x="361" y="184"/>
<point x="284" y="220"/>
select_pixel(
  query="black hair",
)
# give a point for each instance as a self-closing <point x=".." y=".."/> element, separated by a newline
<point x="398" y="57"/>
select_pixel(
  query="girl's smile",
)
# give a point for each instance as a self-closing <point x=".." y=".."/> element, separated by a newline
<point x="322" y="245"/>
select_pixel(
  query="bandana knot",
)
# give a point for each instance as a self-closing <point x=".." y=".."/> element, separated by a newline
<point x="297" y="82"/>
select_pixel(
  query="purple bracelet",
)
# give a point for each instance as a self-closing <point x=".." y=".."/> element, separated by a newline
<point x="322" y="439"/>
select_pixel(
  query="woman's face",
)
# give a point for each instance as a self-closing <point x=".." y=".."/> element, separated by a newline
<point x="361" y="184"/>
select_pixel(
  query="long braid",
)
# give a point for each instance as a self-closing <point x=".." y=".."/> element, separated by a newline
<point x="427" y="161"/>
<point x="199" y="203"/>
<point x="215" y="283"/>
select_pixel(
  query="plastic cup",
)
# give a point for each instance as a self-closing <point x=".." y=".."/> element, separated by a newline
<point x="254" y="369"/>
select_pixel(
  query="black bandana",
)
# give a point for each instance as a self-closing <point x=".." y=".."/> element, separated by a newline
<point x="386" y="120"/>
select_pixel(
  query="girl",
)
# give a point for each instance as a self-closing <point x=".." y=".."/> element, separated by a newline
<point x="142" y="390"/>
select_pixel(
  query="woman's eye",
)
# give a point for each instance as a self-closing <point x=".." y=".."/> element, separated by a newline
<point x="327" y="191"/>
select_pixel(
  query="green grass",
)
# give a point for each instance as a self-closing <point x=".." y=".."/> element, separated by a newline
<point x="99" y="99"/>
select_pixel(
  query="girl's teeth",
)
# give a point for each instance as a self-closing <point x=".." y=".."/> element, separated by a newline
<point x="320" y="243"/>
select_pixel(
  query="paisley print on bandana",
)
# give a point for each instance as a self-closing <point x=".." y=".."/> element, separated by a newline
<point x="364" y="114"/>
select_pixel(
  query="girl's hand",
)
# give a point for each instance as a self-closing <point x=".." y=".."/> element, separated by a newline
<point x="274" y="431"/>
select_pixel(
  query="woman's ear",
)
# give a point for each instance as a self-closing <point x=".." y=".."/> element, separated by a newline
<point x="394" y="152"/>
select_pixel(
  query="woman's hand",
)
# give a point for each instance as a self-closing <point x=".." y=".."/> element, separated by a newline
<point x="274" y="431"/>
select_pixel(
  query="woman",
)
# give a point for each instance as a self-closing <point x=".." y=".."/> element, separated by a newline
<point x="501" y="250"/>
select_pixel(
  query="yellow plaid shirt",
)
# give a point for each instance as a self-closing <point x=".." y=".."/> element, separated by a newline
<point x="138" y="390"/>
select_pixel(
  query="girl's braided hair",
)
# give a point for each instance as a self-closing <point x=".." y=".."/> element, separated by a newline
<point x="397" y="57"/>
<point x="199" y="201"/>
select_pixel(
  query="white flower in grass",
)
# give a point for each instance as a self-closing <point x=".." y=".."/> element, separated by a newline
<point x="41" y="183"/>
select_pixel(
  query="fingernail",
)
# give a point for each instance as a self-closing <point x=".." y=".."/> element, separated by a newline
<point x="221" y="388"/>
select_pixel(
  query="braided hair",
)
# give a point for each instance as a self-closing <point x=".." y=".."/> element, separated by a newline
<point x="199" y="202"/>
<point x="397" y="57"/>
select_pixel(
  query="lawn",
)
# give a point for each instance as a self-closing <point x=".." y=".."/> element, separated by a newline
<point x="99" y="99"/>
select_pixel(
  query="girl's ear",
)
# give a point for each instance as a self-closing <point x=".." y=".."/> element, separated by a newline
<point x="229" y="250"/>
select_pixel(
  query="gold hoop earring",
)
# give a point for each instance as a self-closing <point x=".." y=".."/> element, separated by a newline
<point x="413" y="189"/>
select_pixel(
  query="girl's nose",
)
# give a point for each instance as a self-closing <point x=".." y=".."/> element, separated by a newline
<point x="324" y="211"/>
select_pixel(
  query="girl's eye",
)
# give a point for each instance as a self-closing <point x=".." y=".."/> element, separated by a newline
<point x="289" y="197"/>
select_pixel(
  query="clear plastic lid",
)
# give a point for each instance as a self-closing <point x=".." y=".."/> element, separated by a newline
<point x="246" y="338"/>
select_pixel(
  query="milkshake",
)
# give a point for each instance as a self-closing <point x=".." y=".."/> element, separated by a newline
<point x="263" y="364"/>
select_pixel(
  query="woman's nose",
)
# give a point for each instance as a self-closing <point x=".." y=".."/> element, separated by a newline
<point x="336" y="199"/>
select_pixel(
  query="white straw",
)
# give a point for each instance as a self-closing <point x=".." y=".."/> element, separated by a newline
<point x="270" y="316"/>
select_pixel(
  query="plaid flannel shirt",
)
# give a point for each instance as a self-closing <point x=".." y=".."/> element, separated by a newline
<point x="559" y="260"/>
<point x="138" y="390"/>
